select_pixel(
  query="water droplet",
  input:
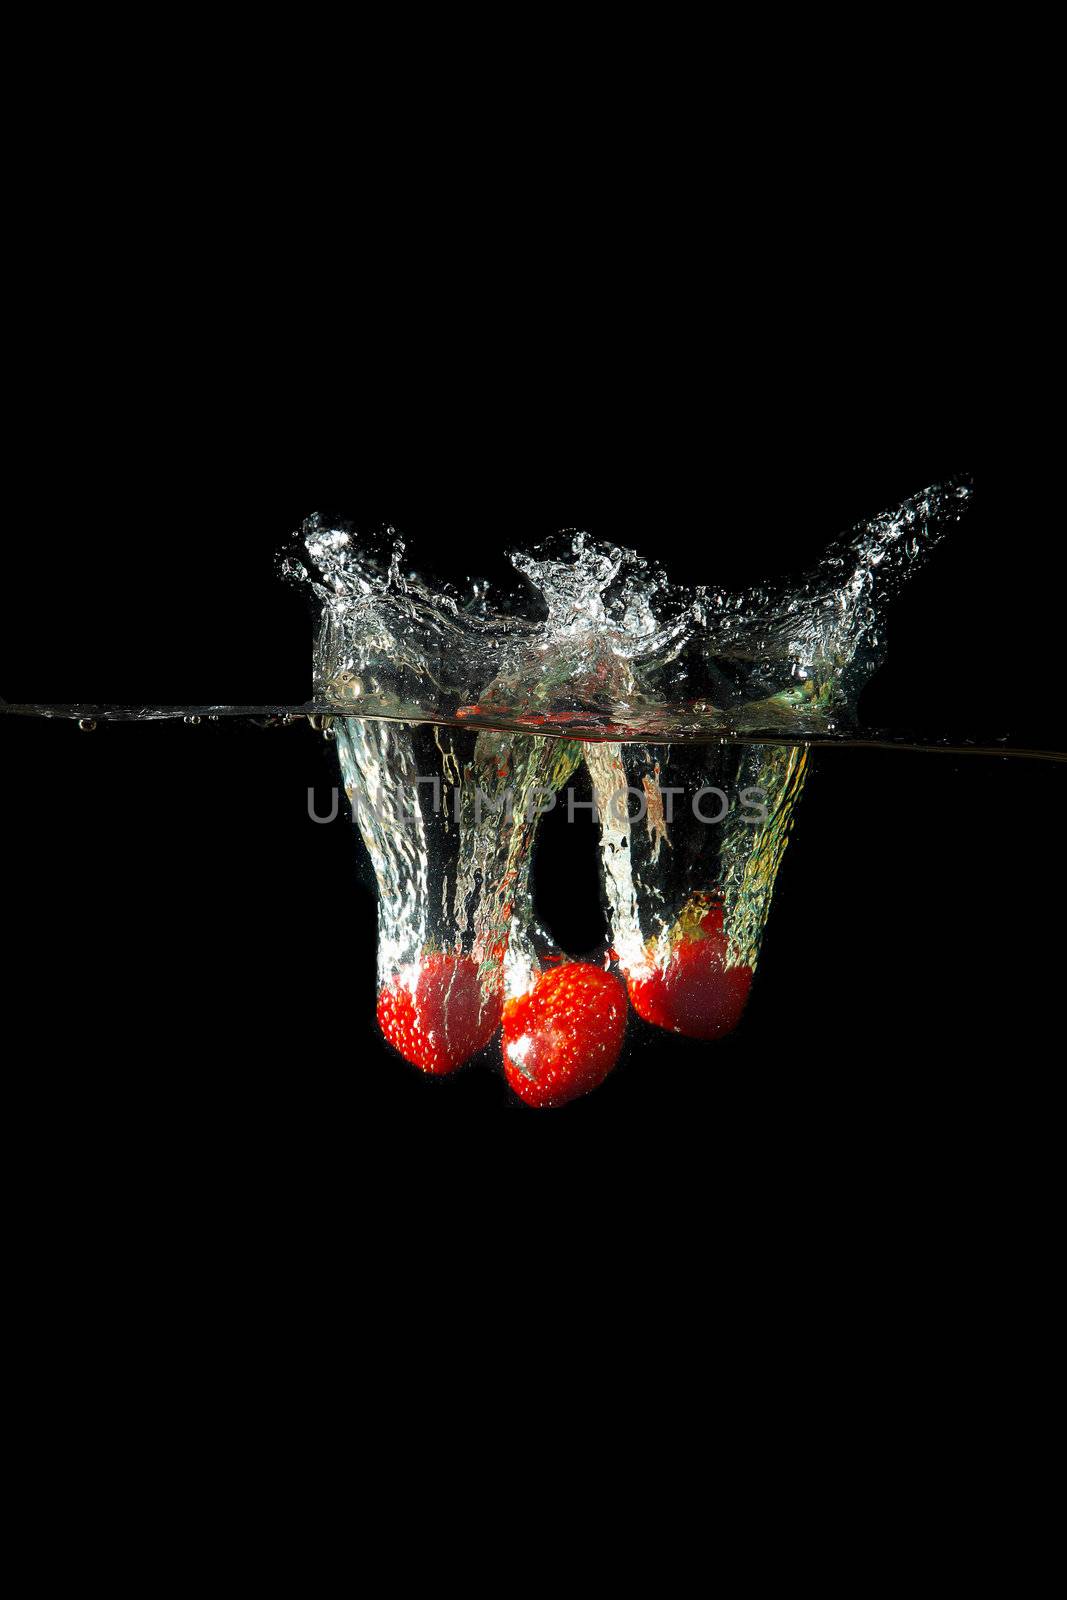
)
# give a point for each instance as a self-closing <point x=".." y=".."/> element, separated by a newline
<point x="87" y="724"/>
<point x="192" y="721"/>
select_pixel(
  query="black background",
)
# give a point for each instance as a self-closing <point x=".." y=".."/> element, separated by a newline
<point x="671" y="296"/>
<point x="196" y="959"/>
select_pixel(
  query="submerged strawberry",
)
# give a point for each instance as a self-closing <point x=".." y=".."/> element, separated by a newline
<point x="563" y="1037"/>
<point x="696" y="993"/>
<point x="436" y="1015"/>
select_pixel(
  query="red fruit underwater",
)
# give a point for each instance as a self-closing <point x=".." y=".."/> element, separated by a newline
<point x="563" y="1037"/>
<point x="696" y="993"/>
<point x="436" y="1014"/>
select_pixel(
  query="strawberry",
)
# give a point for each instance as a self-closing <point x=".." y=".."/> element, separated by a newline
<point x="696" y="993"/>
<point x="436" y="1014"/>
<point x="563" y="1036"/>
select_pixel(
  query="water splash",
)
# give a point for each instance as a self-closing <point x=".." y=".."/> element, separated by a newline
<point x="456" y="710"/>
<point x="601" y="644"/>
<point x="591" y="641"/>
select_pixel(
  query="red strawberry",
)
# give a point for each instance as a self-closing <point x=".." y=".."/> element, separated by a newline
<point x="696" y="994"/>
<point x="563" y="1037"/>
<point x="436" y="1015"/>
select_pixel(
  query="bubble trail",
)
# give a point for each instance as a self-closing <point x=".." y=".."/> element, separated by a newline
<point x="448" y="818"/>
<point x="563" y="1020"/>
<point x="689" y="873"/>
